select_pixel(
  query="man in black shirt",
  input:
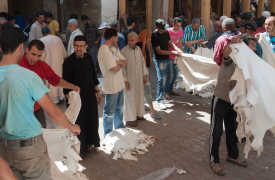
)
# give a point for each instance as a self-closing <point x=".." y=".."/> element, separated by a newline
<point x="160" y="41"/>
<point x="131" y="24"/>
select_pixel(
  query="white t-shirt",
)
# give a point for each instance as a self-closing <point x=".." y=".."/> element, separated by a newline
<point x="113" y="82"/>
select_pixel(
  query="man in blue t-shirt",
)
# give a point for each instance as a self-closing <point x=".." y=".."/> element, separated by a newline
<point x="21" y="137"/>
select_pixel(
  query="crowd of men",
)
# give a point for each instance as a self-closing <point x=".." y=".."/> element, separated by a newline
<point x="124" y="58"/>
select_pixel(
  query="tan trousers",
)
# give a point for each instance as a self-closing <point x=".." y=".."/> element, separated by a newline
<point x="27" y="158"/>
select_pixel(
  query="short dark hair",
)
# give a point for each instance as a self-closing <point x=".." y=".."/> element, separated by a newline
<point x="49" y="15"/>
<point x="5" y="25"/>
<point x="11" y="18"/>
<point x="18" y="12"/>
<point x="109" y="33"/>
<point x="40" y="13"/>
<point x="29" y="18"/>
<point x="80" y="38"/>
<point x="4" y="14"/>
<point x="177" y="19"/>
<point x="37" y="43"/>
<point x="73" y="16"/>
<point x="84" y="17"/>
<point x="130" y="20"/>
<point x="233" y="12"/>
<point x="181" y="14"/>
<point x="10" y="39"/>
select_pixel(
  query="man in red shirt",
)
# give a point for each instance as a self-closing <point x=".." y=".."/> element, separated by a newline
<point x="30" y="60"/>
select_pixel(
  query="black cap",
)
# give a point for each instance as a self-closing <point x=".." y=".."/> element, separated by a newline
<point x="246" y="16"/>
<point x="260" y="21"/>
<point x="160" y="23"/>
<point x="249" y="25"/>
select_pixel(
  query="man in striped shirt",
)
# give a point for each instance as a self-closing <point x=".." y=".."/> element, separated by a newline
<point x="192" y="36"/>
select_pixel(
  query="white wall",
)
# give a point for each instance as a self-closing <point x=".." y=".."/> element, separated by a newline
<point x="109" y="10"/>
<point x="4" y="6"/>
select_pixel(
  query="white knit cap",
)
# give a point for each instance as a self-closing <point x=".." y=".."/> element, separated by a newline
<point x="223" y="18"/>
<point x="266" y="14"/>
<point x="73" y="21"/>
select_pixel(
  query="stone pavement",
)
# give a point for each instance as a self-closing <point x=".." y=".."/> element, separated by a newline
<point x="182" y="143"/>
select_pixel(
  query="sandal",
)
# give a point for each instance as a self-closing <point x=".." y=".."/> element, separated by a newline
<point x="240" y="162"/>
<point x="173" y="93"/>
<point x="131" y="123"/>
<point x="141" y="118"/>
<point x="218" y="171"/>
<point x="93" y="149"/>
<point x="167" y="97"/>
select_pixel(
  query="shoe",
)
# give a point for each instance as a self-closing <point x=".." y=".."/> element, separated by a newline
<point x="161" y="105"/>
<point x="147" y="108"/>
<point x="156" y="116"/>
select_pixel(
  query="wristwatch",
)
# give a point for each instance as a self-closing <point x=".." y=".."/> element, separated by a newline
<point x="97" y="91"/>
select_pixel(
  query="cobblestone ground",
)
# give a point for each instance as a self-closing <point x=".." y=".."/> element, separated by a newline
<point x="182" y="143"/>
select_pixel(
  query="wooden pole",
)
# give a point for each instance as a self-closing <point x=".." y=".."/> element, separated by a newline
<point x="260" y="9"/>
<point x="122" y="6"/>
<point x="149" y="9"/>
<point x="272" y="6"/>
<point x="246" y="6"/>
<point x="227" y="4"/>
<point x="171" y="9"/>
<point x="218" y="9"/>
<point x="189" y="11"/>
<point x="205" y="16"/>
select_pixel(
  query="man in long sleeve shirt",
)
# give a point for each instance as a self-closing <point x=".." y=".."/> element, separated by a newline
<point x="30" y="60"/>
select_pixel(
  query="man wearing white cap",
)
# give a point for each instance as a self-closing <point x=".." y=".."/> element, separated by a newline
<point x="102" y="29"/>
<point x="266" y="14"/>
<point x="73" y="28"/>
<point x="223" y="18"/>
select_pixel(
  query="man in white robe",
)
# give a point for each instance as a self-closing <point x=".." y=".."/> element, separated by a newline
<point x="73" y="28"/>
<point x="134" y="77"/>
<point x="54" y="55"/>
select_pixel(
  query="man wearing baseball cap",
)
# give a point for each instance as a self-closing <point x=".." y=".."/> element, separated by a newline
<point x="250" y="27"/>
<point x="102" y="29"/>
<point x="160" y="41"/>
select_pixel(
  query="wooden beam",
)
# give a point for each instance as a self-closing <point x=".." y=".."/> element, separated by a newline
<point x="149" y="15"/>
<point x="205" y="16"/>
<point x="227" y="4"/>
<point x="260" y="8"/>
<point x="189" y="11"/>
<point x="171" y="9"/>
<point x="246" y="6"/>
<point x="272" y="6"/>
<point x="219" y="9"/>
<point x="122" y="6"/>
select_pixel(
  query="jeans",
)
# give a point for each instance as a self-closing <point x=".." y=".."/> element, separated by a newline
<point x="93" y="52"/>
<point x="222" y="111"/>
<point x="147" y="90"/>
<point x="27" y="158"/>
<point x="162" y="70"/>
<point x="172" y="75"/>
<point x="113" y="111"/>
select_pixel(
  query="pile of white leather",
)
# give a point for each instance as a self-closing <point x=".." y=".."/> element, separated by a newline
<point x="253" y="96"/>
<point x="127" y="144"/>
<point x="63" y="147"/>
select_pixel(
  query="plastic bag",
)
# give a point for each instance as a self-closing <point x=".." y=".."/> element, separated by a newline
<point x="159" y="175"/>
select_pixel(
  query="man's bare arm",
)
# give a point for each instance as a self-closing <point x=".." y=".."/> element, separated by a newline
<point x="64" y="84"/>
<point x="173" y="46"/>
<point x="57" y="115"/>
<point x="6" y="173"/>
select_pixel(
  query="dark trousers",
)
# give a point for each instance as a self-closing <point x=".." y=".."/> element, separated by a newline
<point x="223" y="111"/>
<point x="40" y="116"/>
